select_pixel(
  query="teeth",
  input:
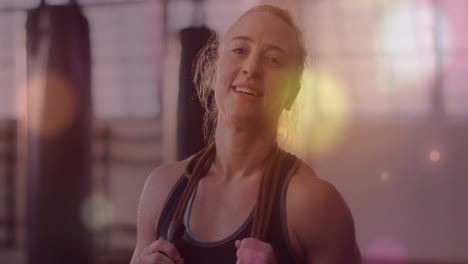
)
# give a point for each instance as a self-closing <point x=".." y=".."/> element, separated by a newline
<point x="246" y="91"/>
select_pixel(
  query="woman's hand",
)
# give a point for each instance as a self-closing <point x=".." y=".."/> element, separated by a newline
<point x="251" y="250"/>
<point x="160" y="251"/>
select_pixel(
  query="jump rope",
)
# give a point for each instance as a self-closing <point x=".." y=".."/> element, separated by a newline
<point x="198" y="167"/>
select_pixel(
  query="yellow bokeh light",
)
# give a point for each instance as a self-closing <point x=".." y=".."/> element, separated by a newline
<point x="318" y="117"/>
<point x="97" y="212"/>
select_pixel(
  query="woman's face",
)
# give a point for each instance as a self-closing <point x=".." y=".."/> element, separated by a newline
<point x="255" y="71"/>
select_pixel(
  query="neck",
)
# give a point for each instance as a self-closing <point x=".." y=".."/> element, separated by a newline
<point x="242" y="150"/>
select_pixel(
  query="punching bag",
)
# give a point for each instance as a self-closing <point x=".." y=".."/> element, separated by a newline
<point x="58" y="129"/>
<point x="190" y="111"/>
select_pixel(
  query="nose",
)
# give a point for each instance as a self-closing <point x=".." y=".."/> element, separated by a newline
<point x="251" y="66"/>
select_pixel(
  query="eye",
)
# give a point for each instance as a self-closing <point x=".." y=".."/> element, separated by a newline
<point x="273" y="60"/>
<point x="238" y="51"/>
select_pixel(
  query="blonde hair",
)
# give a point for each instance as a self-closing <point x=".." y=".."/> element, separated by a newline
<point x="206" y="62"/>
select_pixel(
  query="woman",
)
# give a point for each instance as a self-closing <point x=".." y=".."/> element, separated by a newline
<point x="221" y="193"/>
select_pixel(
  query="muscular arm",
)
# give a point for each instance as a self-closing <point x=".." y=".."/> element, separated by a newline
<point x="157" y="187"/>
<point x="321" y="222"/>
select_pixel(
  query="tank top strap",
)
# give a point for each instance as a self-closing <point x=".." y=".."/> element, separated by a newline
<point x="170" y="206"/>
<point x="224" y="251"/>
<point x="278" y="235"/>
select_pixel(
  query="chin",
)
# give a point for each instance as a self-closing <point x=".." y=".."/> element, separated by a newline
<point x="248" y="119"/>
<point x="247" y="114"/>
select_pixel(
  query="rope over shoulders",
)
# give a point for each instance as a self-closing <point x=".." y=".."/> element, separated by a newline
<point x="198" y="167"/>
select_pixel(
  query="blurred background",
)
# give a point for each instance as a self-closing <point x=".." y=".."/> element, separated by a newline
<point x="94" y="94"/>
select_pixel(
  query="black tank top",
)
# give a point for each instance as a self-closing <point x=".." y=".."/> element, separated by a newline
<point x="194" y="251"/>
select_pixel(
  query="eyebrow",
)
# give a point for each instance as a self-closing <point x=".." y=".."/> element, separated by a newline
<point x="270" y="46"/>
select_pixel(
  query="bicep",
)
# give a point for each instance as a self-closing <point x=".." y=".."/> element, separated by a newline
<point x="157" y="188"/>
<point x="324" y="224"/>
<point x="148" y="210"/>
<point x="336" y="243"/>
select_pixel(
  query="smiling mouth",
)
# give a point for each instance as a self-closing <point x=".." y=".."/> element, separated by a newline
<point x="247" y="91"/>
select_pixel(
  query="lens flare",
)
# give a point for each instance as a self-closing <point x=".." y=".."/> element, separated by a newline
<point x="406" y="41"/>
<point x="52" y="103"/>
<point x="387" y="248"/>
<point x="318" y="118"/>
<point x="385" y="176"/>
<point x="434" y="156"/>
<point x="97" y="212"/>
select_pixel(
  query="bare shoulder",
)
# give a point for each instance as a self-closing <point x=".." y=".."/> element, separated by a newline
<point x="319" y="221"/>
<point x="157" y="187"/>
<point x="305" y="184"/>
<point x="165" y="176"/>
